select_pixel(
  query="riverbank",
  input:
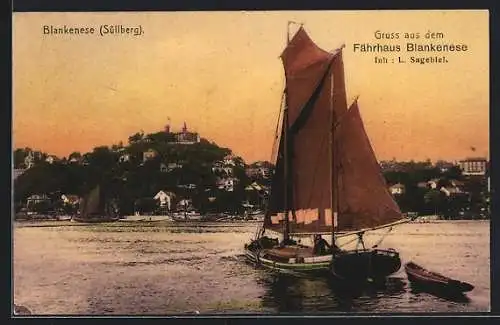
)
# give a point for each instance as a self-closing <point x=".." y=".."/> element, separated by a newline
<point x="152" y="222"/>
<point x="128" y="223"/>
<point x="437" y="218"/>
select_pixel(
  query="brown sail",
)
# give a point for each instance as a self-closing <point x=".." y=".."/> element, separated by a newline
<point x="305" y="65"/>
<point x="364" y="199"/>
<point x="313" y="76"/>
<point x="316" y="100"/>
<point x="92" y="203"/>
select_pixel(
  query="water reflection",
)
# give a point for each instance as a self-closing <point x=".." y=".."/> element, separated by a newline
<point x="296" y="293"/>
<point x="457" y="297"/>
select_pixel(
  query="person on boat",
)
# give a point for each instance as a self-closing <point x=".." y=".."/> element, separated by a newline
<point x="321" y="246"/>
<point x="335" y="249"/>
<point x="288" y="242"/>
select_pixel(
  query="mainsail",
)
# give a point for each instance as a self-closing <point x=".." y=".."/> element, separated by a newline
<point x="331" y="166"/>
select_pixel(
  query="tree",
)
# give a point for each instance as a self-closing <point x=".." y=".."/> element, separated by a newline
<point x="75" y="154"/>
<point x="137" y="137"/>
<point x="145" y="205"/>
<point x="42" y="207"/>
<point x="453" y="173"/>
<point x="19" y="155"/>
<point x="134" y="179"/>
<point x="434" y="200"/>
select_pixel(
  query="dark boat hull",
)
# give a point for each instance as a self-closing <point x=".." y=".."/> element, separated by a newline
<point x="362" y="265"/>
<point x="426" y="280"/>
<point x="94" y="220"/>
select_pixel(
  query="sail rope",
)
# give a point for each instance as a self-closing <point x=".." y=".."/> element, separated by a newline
<point x="273" y="158"/>
<point x="257" y="233"/>
<point x="382" y="238"/>
<point x="276" y="134"/>
<point x="359" y="238"/>
<point x="347" y="243"/>
<point x="257" y="257"/>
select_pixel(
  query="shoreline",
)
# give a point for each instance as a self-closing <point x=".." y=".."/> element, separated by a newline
<point x="182" y="224"/>
<point x="133" y="223"/>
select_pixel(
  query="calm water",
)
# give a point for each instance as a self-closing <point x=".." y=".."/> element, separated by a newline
<point x="125" y="268"/>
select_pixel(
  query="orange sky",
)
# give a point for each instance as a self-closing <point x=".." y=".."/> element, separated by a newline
<point x="221" y="73"/>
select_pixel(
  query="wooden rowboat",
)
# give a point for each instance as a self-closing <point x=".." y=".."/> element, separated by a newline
<point x="423" y="278"/>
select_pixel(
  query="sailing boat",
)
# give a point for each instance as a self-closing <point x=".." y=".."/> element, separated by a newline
<point x="95" y="208"/>
<point x="327" y="179"/>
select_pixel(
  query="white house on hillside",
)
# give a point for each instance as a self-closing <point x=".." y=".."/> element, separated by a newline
<point x="174" y="165"/>
<point x="227" y="184"/>
<point x="165" y="198"/>
<point x="124" y="158"/>
<point x="70" y="199"/>
<point x="149" y="154"/>
<point x="397" y="189"/>
<point x="17" y="172"/>
<point x="433" y="183"/>
<point x="29" y="160"/>
<point x="451" y="190"/>
<point x="51" y="159"/>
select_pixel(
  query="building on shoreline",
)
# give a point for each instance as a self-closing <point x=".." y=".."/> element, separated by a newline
<point x="475" y="166"/>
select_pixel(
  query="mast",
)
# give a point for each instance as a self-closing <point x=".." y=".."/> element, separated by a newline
<point x="285" y="169"/>
<point x="286" y="232"/>
<point x="334" y="162"/>
<point x="333" y="188"/>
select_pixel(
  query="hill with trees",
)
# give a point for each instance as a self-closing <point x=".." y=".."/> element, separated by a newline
<point x="126" y="174"/>
<point x="214" y="180"/>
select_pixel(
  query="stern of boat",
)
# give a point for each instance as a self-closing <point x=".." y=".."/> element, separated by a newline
<point x="366" y="264"/>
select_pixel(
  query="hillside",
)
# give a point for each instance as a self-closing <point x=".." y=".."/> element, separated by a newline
<point x="139" y="170"/>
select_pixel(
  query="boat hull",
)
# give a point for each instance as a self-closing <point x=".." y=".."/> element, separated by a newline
<point x="94" y="220"/>
<point x="369" y="264"/>
<point x="425" y="280"/>
<point x="321" y="266"/>
<point x="266" y="252"/>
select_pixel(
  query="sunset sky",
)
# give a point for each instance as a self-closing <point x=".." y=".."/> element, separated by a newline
<point x="220" y="72"/>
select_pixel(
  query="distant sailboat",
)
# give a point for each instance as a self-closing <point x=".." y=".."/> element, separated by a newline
<point x="327" y="178"/>
<point x="95" y="208"/>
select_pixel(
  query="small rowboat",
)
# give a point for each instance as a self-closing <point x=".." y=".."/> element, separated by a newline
<point x="423" y="278"/>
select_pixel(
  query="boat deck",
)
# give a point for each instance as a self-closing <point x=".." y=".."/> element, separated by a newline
<point x="291" y="252"/>
<point x="294" y="254"/>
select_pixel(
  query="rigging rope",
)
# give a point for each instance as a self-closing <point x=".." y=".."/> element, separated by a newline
<point x="383" y="237"/>
<point x="276" y="135"/>
<point x="350" y="241"/>
<point x="358" y="238"/>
